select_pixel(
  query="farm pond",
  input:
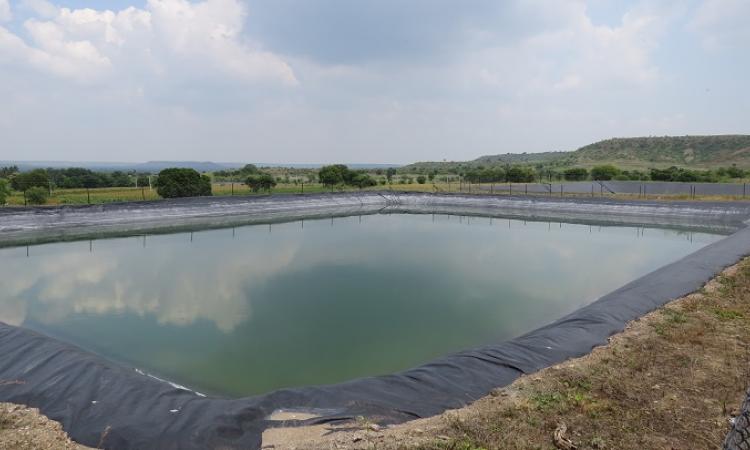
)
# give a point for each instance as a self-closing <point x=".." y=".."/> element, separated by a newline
<point x="246" y="310"/>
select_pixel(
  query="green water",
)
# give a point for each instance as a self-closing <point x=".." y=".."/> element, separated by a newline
<point x="247" y="310"/>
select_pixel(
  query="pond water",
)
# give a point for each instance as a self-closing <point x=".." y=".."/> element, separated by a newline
<point x="246" y="310"/>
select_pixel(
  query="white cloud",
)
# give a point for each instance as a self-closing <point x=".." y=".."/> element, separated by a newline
<point x="5" y="13"/>
<point x="576" y="54"/>
<point x="170" y="38"/>
<point x="722" y="23"/>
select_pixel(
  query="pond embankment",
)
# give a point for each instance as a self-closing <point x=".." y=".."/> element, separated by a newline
<point x="93" y="397"/>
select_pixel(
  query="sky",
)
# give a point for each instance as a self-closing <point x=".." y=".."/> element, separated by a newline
<point x="362" y="81"/>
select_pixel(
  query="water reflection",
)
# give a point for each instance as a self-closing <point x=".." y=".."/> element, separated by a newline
<point x="249" y="309"/>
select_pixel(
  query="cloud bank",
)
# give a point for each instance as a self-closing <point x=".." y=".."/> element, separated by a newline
<point x="374" y="81"/>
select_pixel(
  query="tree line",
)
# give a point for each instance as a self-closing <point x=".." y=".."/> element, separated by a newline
<point x="528" y="174"/>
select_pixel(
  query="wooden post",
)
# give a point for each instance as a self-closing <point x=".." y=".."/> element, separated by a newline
<point x="510" y="188"/>
<point x="24" y="201"/>
<point x="88" y="196"/>
<point x="561" y="190"/>
<point x="232" y="188"/>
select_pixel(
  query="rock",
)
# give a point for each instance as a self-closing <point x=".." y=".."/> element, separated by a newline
<point x="560" y="440"/>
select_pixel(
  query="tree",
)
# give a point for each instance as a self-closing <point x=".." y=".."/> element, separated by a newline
<point x="34" y="178"/>
<point x="333" y="174"/>
<point x="421" y="179"/>
<point x="604" y="173"/>
<point x="7" y="172"/>
<point x="576" y="174"/>
<point x="362" y="180"/>
<point x="519" y="174"/>
<point x="261" y="182"/>
<point x="36" y="195"/>
<point x="4" y="190"/>
<point x="389" y="173"/>
<point x="249" y="169"/>
<point x="175" y="182"/>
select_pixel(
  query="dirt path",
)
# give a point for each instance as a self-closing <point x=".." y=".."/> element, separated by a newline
<point x="673" y="379"/>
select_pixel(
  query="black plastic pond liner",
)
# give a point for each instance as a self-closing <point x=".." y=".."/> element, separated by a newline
<point x="738" y="437"/>
<point x="104" y="404"/>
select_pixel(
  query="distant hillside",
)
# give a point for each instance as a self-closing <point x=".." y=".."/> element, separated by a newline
<point x="703" y="152"/>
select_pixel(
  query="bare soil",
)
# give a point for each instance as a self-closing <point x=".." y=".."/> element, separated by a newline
<point x="673" y="379"/>
<point x="23" y="428"/>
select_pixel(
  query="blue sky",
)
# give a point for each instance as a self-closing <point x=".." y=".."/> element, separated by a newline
<point x="387" y="81"/>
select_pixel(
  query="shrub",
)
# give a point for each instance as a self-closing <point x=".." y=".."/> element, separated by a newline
<point x="604" y="172"/>
<point x="37" y="195"/>
<point x="576" y="174"/>
<point x="260" y="182"/>
<point x="174" y="182"/>
<point x="519" y="174"/>
<point x="4" y="191"/>
<point x="35" y="178"/>
<point x="421" y="179"/>
<point x="333" y="175"/>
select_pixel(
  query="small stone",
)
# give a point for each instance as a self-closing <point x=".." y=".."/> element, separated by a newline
<point x="375" y="427"/>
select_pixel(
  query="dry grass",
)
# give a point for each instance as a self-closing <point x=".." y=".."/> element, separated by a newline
<point x="671" y="380"/>
<point x="24" y="428"/>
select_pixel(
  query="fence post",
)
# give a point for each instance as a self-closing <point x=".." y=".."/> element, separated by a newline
<point x="88" y="196"/>
<point x="561" y="190"/>
<point x="232" y="188"/>
<point x="24" y="198"/>
<point x="510" y="188"/>
<point x="526" y="189"/>
<point x="303" y="187"/>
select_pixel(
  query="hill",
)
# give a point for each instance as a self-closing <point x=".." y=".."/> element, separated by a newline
<point x="698" y="152"/>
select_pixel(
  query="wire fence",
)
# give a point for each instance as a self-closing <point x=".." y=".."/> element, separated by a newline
<point x="637" y="189"/>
